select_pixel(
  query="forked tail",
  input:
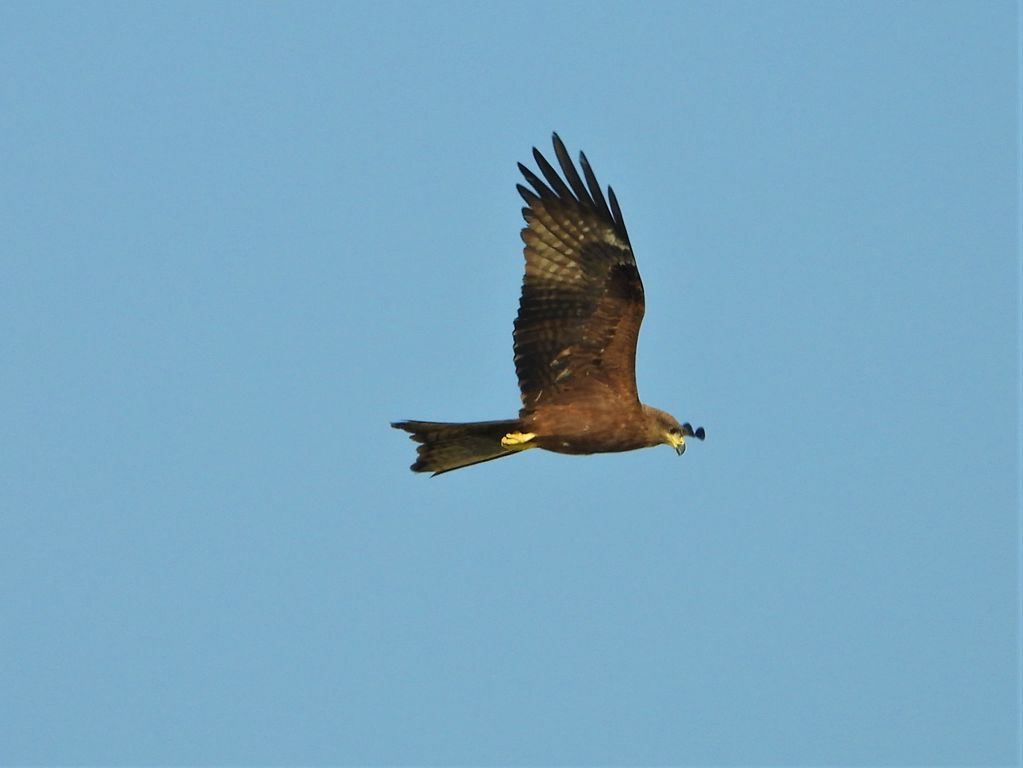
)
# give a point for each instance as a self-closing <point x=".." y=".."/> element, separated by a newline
<point x="452" y="446"/>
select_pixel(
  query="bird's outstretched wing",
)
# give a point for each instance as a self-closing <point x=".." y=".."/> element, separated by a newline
<point x="582" y="297"/>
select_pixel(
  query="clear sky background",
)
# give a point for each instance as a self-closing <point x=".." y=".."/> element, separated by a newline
<point x="236" y="240"/>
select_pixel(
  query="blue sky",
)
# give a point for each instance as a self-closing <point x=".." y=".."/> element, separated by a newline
<point x="239" y="239"/>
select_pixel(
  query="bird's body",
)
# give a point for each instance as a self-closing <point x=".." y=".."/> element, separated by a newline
<point x="604" y="426"/>
<point x="575" y="336"/>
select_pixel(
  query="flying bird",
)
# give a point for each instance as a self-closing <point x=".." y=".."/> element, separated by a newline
<point x="575" y="336"/>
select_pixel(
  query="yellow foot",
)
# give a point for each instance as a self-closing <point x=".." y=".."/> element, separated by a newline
<point x="517" y="440"/>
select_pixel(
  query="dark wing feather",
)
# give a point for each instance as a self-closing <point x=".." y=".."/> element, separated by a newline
<point x="582" y="297"/>
<point x="598" y="196"/>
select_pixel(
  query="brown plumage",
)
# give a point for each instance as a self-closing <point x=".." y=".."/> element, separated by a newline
<point x="575" y="336"/>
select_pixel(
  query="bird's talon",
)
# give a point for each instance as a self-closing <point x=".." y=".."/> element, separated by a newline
<point x="516" y="439"/>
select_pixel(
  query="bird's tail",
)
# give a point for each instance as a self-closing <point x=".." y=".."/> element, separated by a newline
<point x="452" y="446"/>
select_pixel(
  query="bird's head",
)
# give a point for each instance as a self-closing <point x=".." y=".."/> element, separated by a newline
<point x="670" y="432"/>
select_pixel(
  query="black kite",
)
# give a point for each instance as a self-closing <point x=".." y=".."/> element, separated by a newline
<point x="575" y="336"/>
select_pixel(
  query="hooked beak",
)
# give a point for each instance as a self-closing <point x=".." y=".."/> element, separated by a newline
<point x="678" y="442"/>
